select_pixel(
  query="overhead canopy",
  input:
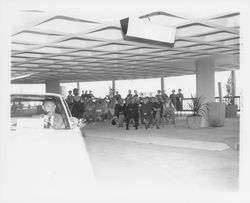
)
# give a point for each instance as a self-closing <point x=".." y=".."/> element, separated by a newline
<point x="56" y="46"/>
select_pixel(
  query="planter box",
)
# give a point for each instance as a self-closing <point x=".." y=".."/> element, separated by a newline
<point x="231" y="111"/>
<point x="216" y="113"/>
<point x="193" y="122"/>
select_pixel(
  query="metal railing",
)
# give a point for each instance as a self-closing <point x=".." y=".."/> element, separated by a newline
<point x="237" y="101"/>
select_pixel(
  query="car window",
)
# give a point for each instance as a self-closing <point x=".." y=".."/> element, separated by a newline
<point x="29" y="108"/>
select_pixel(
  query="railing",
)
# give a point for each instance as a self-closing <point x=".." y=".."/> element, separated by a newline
<point x="237" y="101"/>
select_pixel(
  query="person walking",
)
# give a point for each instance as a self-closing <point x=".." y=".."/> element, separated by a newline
<point x="120" y="111"/>
<point x="135" y="103"/>
<point x="128" y="111"/>
<point x="132" y="112"/>
<point x="146" y="112"/>
<point x="156" y="112"/>
<point x="179" y="102"/>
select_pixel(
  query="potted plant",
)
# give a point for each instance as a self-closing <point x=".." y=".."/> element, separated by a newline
<point x="231" y="108"/>
<point x="198" y="108"/>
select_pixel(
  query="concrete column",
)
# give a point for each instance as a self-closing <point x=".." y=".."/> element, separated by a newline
<point x="52" y="86"/>
<point x="205" y="86"/>
<point x="162" y="85"/>
<point x="205" y="79"/>
<point x="78" y="86"/>
<point x="220" y="91"/>
<point x="63" y="91"/>
<point x="233" y="82"/>
<point x="113" y="87"/>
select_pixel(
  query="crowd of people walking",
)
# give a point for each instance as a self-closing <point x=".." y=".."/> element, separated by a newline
<point x="133" y="110"/>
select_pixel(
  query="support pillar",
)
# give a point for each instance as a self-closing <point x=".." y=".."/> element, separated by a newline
<point x="233" y="84"/>
<point x="113" y="87"/>
<point x="220" y="91"/>
<point x="78" y="86"/>
<point x="52" y="86"/>
<point x="205" y="87"/>
<point x="63" y="91"/>
<point x="162" y="85"/>
<point x="205" y="79"/>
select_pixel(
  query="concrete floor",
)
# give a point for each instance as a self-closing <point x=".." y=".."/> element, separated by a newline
<point x="144" y="159"/>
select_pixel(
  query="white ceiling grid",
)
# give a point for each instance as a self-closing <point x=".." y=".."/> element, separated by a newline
<point x="70" y="48"/>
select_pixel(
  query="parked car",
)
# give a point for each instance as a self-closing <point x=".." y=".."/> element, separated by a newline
<point x="44" y="164"/>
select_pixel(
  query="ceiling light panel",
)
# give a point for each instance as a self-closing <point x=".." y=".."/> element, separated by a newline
<point x="232" y="42"/>
<point x="193" y="29"/>
<point x="66" y="26"/>
<point x="79" y="43"/>
<point x="216" y="36"/>
<point x="200" y="47"/>
<point x="51" y="50"/>
<point x="30" y="55"/>
<point x="108" y="34"/>
<point x="113" y="47"/>
<point x="227" y="21"/>
<point x="34" y="37"/>
<point x="182" y="43"/>
<point x="20" y="47"/>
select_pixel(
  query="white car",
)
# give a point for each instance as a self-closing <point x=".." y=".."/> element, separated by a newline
<point x="44" y="165"/>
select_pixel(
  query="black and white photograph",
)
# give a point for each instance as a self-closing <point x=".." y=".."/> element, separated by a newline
<point x="124" y="101"/>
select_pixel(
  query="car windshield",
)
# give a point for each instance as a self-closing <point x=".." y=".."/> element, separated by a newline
<point x="30" y="111"/>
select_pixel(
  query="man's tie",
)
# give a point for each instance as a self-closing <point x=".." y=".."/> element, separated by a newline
<point x="48" y="124"/>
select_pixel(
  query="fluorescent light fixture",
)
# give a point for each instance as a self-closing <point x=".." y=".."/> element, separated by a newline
<point x="20" y="77"/>
<point x="139" y="30"/>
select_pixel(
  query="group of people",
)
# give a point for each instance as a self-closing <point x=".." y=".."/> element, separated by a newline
<point x="133" y="108"/>
<point x="76" y="102"/>
<point x="149" y="110"/>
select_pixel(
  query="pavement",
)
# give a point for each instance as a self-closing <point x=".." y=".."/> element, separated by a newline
<point x="172" y="157"/>
<point x="210" y="138"/>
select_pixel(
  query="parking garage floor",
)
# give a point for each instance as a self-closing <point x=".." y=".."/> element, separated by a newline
<point x="172" y="157"/>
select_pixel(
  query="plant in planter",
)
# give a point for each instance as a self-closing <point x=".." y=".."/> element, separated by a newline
<point x="198" y="108"/>
<point x="231" y="108"/>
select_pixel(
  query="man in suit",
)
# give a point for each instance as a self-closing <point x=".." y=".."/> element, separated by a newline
<point x="51" y="118"/>
<point x="173" y="98"/>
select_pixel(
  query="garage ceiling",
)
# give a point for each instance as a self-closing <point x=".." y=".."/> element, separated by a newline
<point x="55" y="46"/>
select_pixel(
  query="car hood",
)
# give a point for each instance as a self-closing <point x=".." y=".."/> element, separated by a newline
<point x="46" y="165"/>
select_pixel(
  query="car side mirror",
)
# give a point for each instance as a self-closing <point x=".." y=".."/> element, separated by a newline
<point x="78" y="122"/>
<point x="81" y="123"/>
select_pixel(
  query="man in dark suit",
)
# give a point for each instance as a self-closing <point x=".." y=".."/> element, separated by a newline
<point x="51" y="118"/>
<point x="173" y="98"/>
